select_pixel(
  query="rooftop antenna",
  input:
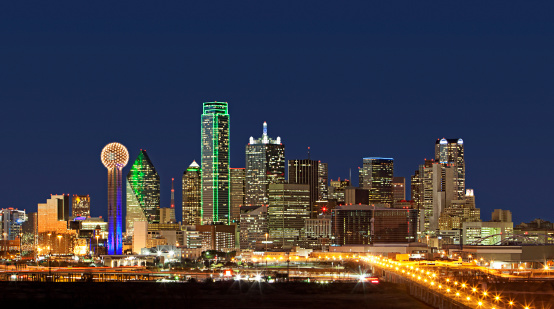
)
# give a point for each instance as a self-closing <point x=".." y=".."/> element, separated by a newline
<point x="350" y="176"/>
<point x="308" y="152"/>
<point x="172" y="194"/>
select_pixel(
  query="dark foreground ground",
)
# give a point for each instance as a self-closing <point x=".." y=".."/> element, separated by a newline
<point x="228" y="295"/>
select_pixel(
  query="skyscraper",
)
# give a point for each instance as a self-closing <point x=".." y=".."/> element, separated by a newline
<point x="114" y="156"/>
<point x="376" y="176"/>
<point x="54" y="214"/>
<point x="237" y="192"/>
<point x="81" y="206"/>
<point x="143" y="192"/>
<point x="192" y="202"/>
<point x="398" y="189"/>
<point x="215" y="163"/>
<point x="265" y="164"/>
<point x="289" y="207"/>
<point x="306" y="172"/>
<point x="323" y="182"/>
<point x="11" y="221"/>
<point x="450" y="152"/>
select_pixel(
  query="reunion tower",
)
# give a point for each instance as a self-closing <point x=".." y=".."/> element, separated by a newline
<point x="114" y="157"/>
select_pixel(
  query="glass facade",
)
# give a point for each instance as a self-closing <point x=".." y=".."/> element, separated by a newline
<point x="11" y="221"/>
<point x="265" y="164"/>
<point x="306" y="172"/>
<point x="394" y="225"/>
<point x="289" y="207"/>
<point x="376" y="176"/>
<point x="143" y="192"/>
<point x="50" y="215"/>
<point x="237" y="192"/>
<point x="323" y="182"/>
<point x="192" y="206"/>
<point x="215" y="163"/>
<point x="398" y="189"/>
<point x="351" y="225"/>
<point x="253" y="226"/>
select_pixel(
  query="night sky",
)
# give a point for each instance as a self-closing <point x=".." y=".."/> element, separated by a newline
<point x="349" y="79"/>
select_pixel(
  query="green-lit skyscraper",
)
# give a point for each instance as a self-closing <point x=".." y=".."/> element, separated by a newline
<point x="215" y="163"/>
<point x="143" y="192"/>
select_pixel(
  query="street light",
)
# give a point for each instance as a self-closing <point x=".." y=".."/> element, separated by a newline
<point x="59" y="244"/>
<point x="49" y="254"/>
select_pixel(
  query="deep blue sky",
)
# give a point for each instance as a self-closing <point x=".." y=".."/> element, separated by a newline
<point x="349" y="79"/>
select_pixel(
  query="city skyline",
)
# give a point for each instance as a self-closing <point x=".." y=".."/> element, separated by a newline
<point x="381" y="80"/>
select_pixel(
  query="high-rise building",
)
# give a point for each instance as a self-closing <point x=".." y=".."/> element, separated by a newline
<point x="253" y="226"/>
<point x="459" y="211"/>
<point x="192" y="201"/>
<point x="30" y="233"/>
<point x="355" y="195"/>
<point x="11" y="221"/>
<point x="114" y="157"/>
<point x="450" y="153"/>
<point x="81" y="206"/>
<point x="167" y="215"/>
<point x="306" y="172"/>
<point x="265" y="164"/>
<point x="394" y="225"/>
<point x="54" y="214"/>
<point x="351" y="224"/>
<point x="337" y="190"/>
<point x="289" y="207"/>
<point x="376" y="176"/>
<point x="438" y="189"/>
<point x="143" y="192"/>
<point x="323" y="182"/>
<point x="215" y="163"/>
<point x="217" y="237"/>
<point x="398" y="189"/>
<point x="500" y="215"/>
<point x="237" y="192"/>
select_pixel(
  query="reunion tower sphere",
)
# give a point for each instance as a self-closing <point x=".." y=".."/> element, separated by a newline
<point x="114" y="155"/>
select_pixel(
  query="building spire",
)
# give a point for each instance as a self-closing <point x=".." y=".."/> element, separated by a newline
<point x="265" y="128"/>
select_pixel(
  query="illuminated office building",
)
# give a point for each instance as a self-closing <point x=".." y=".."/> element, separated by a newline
<point x="192" y="202"/>
<point x="81" y="206"/>
<point x="115" y="156"/>
<point x="265" y="164"/>
<point x="337" y="190"/>
<point x="54" y="214"/>
<point x="11" y="221"/>
<point x="376" y="176"/>
<point x="351" y="224"/>
<point x="450" y="153"/>
<point x="394" y="225"/>
<point x="143" y="192"/>
<point x="398" y="189"/>
<point x="306" y="172"/>
<point x="253" y="226"/>
<point x="237" y="192"/>
<point x="215" y="163"/>
<point x="289" y="207"/>
<point x="438" y="189"/>
<point x="323" y="182"/>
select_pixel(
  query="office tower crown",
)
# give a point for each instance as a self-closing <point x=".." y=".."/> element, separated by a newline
<point x="264" y="139"/>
